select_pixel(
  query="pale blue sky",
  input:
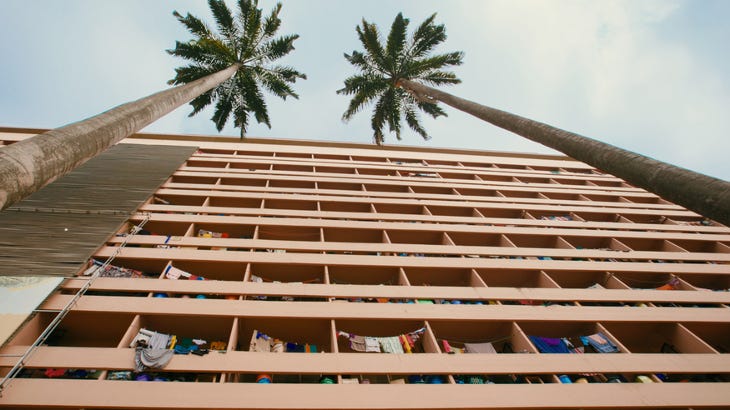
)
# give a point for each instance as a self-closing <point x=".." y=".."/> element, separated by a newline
<point x="647" y="75"/>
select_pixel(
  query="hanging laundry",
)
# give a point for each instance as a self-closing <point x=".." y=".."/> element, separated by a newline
<point x="390" y="344"/>
<point x="159" y="341"/>
<point x="393" y="344"/>
<point x="357" y="343"/>
<point x="479" y="348"/>
<point x="404" y="342"/>
<point x="147" y="358"/>
<point x="372" y="345"/>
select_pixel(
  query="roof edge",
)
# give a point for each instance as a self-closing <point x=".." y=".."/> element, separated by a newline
<point x="231" y="139"/>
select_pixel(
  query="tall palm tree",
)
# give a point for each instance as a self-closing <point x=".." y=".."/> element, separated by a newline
<point x="703" y="194"/>
<point x="381" y="67"/>
<point x="29" y="165"/>
<point x="246" y="41"/>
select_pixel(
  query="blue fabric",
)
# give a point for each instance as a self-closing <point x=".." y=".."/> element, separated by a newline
<point x="549" y="344"/>
<point x="605" y="347"/>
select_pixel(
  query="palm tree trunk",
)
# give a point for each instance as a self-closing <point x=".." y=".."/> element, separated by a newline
<point x="703" y="194"/>
<point x="29" y="165"/>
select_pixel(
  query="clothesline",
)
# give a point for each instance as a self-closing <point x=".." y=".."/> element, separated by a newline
<point x="259" y="279"/>
<point x="501" y="339"/>
<point x="652" y="282"/>
<point x="404" y="343"/>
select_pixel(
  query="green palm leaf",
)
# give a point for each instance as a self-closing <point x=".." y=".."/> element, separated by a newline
<point x="380" y="67"/>
<point x="245" y="40"/>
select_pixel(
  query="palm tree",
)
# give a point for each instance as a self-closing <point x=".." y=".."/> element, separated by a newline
<point x="380" y="69"/>
<point x="29" y="165"/>
<point x="703" y="194"/>
<point x="246" y="42"/>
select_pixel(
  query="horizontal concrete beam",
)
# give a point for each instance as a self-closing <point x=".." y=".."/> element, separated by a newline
<point x="484" y="202"/>
<point x="371" y="363"/>
<point x="373" y="220"/>
<point x="389" y="311"/>
<point x="398" y="292"/>
<point x="484" y="251"/>
<point x="132" y="395"/>
<point x="396" y="261"/>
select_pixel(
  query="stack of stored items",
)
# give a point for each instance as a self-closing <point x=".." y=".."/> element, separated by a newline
<point x="261" y="342"/>
<point x="597" y="342"/>
<point x="111" y="271"/>
<point x="174" y="273"/>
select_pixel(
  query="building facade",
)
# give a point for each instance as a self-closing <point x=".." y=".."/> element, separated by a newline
<point x="307" y="275"/>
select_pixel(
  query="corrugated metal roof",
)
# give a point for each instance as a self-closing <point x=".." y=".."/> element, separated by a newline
<point x="55" y="230"/>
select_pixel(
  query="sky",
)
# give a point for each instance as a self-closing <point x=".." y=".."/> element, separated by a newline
<point x="651" y="76"/>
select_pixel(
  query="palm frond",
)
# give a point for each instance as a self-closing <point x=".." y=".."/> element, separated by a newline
<point x="396" y="41"/>
<point x="277" y="48"/>
<point x="417" y="67"/>
<point x="361" y="61"/>
<point x="222" y="110"/>
<point x="287" y="73"/>
<point x="440" y="78"/>
<point x="190" y="73"/>
<point x="200" y="102"/>
<point x="275" y="82"/>
<point x="254" y="99"/>
<point x="365" y="90"/>
<point x="272" y="21"/>
<point x="413" y="121"/>
<point x="426" y="37"/>
<point x="223" y="17"/>
<point x="252" y="22"/>
<point x="434" y="110"/>
<point x="377" y="121"/>
<point x="194" y="25"/>
<point x="370" y="39"/>
<point x="240" y="119"/>
<point x="392" y="106"/>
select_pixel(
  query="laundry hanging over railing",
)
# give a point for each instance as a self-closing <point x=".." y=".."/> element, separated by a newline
<point x="404" y="343"/>
<point x="154" y="350"/>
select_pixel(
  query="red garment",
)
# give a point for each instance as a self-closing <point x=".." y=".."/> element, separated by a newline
<point x="53" y="373"/>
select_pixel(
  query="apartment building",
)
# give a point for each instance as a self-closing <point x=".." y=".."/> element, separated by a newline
<point x="310" y="275"/>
